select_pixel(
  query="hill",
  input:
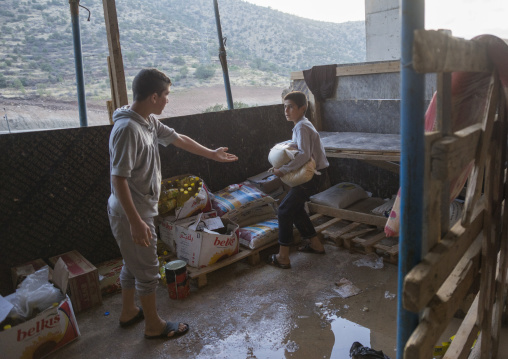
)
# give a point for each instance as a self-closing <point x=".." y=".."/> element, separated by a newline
<point x="177" y="36"/>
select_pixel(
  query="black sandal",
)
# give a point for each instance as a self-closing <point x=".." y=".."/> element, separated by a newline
<point x="308" y="249"/>
<point x="274" y="262"/>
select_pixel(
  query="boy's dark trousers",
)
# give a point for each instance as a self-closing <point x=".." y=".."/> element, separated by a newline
<point x="292" y="210"/>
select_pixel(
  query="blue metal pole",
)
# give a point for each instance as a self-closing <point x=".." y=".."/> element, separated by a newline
<point x="222" y="56"/>
<point x="412" y="125"/>
<point x="78" y="61"/>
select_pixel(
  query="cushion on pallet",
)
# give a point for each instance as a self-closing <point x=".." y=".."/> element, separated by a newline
<point x="341" y="195"/>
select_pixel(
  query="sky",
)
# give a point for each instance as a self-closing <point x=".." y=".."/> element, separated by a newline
<point x="465" y="18"/>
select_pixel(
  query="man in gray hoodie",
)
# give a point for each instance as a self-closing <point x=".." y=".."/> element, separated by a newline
<point x="135" y="188"/>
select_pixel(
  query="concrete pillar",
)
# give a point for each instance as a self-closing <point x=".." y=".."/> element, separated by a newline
<point x="382" y="29"/>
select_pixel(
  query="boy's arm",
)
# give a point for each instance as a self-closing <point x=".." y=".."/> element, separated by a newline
<point x="188" y="144"/>
<point x="140" y="231"/>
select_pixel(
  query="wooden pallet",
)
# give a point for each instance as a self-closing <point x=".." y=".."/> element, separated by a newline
<point x="356" y="237"/>
<point x="360" y="232"/>
<point x="199" y="275"/>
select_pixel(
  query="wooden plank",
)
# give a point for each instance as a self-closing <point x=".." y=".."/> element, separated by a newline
<point x="494" y="174"/>
<point x="359" y="69"/>
<point x="362" y="156"/>
<point x="452" y="153"/>
<point x="443" y="306"/>
<point x="466" y="335"/>
<point x="325" y="225"/>
<point x="314" y="110"/>
<point x="109" y="105"/>
<point x="387" y="165"/>
<point x="435" y="51"/>
<point x="431" y="204"/>
<point x="476" y="178"/>
<point x="115" y="53"/>
<point x="423" y="281"/>
<point x="502" y="271"/>
<point x="348" y="215"/>
<point x="444" y="122"/>
<point x="352" y="235"/>
<point x="371" y="241"/>
<point x="346" y="229"/>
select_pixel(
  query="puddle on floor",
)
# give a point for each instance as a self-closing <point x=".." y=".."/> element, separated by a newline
<point x="346" y="333"/>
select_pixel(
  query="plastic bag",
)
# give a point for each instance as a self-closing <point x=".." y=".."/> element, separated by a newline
<point x="34" y="295"/>
<point x="358" y="351"/>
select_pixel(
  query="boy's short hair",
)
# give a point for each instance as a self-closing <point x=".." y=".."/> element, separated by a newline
<point x="148" y="82"/>
<point x="298" y="97"/>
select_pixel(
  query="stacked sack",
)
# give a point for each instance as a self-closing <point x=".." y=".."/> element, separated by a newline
<point x="253" y="210"/>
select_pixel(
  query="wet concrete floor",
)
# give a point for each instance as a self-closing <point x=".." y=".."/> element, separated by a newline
<point x="259" y="312"/>
<point x="262" y="312"/>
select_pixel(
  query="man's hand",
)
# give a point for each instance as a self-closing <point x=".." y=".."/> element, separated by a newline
<point x="221" y="155"/>
<point x="141" y="234"/>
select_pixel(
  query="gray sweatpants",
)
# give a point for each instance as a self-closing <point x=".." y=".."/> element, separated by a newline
<point x="140" y="264"/>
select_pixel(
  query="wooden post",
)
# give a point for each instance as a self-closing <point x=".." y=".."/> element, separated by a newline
<point x="314" y="112"/>
<point x="115" y="53"/>
<point x="109" y="105"/>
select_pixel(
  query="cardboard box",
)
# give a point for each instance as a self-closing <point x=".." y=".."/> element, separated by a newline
<point x="266" y="182"/>
<point x="20" y="272"/>
<point x="167" y="228"/>
<point x="48" y="331"/>
<point x="109" y="276"/>
<point x="202" y="242"/>
<point x="84" y="287"/>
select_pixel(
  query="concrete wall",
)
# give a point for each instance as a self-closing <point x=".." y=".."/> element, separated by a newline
<point x="54" y="185"/>
<point x="365" y="103"/>
<point x="382" y="29"/>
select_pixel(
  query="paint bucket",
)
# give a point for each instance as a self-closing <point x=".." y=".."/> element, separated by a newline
<point x="177" y="279"/>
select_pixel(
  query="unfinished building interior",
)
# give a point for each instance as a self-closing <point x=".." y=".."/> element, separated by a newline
<point x="414" y="291"/>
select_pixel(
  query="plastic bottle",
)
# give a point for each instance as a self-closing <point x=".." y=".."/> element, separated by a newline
<point x="234" y="187"/>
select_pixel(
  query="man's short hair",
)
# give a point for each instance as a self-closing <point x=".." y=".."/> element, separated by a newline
<point x="298" y="97"/>
<point x="148" y="82"/>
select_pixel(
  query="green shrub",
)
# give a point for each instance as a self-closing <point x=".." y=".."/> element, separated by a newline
<point x="204" y="72"/>
<point x="221" y="107"/>
<point x="179" y="60"/>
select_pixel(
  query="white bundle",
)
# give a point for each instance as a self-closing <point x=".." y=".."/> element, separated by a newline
<point x="284" y="152"/>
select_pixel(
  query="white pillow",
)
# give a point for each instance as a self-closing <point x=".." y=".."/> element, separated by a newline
<point x="341" y="195"/>
<point x="282" y="153"/>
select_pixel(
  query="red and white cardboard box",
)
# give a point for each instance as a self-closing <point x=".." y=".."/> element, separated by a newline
<point x="202" y="242"/>
<point x="49" y="330"/>
<point x="84" y="287"/>
<point x="167" y="229"/>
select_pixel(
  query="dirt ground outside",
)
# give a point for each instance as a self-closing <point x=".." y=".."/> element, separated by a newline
<point x="21" y="114"/>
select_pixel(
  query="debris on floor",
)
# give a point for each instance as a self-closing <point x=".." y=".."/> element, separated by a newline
<point x="346" y="289"/>
<point x="371" y="260"/>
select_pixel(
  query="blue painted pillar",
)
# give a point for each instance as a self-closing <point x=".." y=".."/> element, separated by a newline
<point x="412" y="126"/>
<point x="222" y="56"/>
<point x="78" y="61"/>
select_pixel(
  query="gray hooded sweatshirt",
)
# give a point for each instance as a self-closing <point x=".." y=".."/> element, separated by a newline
<point x="134" y="154"/>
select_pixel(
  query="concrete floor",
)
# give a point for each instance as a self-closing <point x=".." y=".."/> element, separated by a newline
<point x="259" y="312"/>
